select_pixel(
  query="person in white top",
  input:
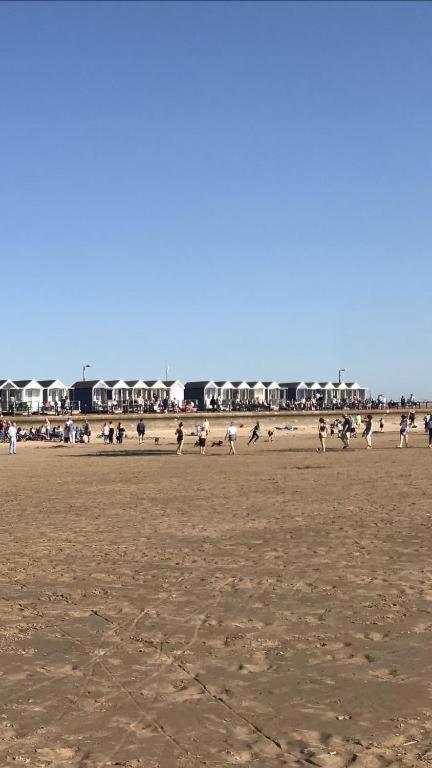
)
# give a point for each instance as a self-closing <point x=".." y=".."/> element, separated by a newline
<point x="12" y="435"/>
<point x="231" y="436"/>
<point x="71" y="429"/>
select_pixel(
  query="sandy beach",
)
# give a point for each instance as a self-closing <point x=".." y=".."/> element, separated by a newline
<point x="272" y="608"/>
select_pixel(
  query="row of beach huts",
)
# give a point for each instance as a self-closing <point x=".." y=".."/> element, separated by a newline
<point x="31" y="395"/>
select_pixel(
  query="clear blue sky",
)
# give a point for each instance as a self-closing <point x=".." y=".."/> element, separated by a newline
<point x="240" y="190"/>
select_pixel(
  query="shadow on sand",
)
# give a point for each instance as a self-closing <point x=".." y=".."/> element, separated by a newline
<point x="113" y="454"/>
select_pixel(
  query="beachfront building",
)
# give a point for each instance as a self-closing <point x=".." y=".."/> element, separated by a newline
<point x="118" y="393"/>
<point x="91" y="395"/>
<point x="29" y="395"/>
<point x="272" y="393"/>
<point x="176" y="391"/>
<point x="241" y="391"/>
<point x="328" y="392"/>
<point x="257" y="392"/>
<point x="225" y="392"/>
<point x="138" y="391"/>
<point x="8" y="395"/>
<point x="157" y="390"/>
<point x="342" y="392"/>
<point x="201" y="393"/>
<point x="53" y="391"/>
<point x="356" y="392"/>
<point x="293" y="391"/>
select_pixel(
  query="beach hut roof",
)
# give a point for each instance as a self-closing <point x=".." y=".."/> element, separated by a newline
<point x="49" y="383"/>
<point x="293" y="385"/>
<point x="22" y="383"/>
<point x="255" y="384"/>
<point x="136" y="383"/>
<point x="326" y="385"/>
<point x="342" y="385"/>
<point x="222" y="384"/>
<point x="173" y="381"/>
<point x="313" y="385"/>
<point x="92" y="384"/>
<point x="354" y="385"/>
<point x="271" y="385"/>
<point x="241" y="385"/>
<point x="4" y="382"/>
<point x="198" y="384"/>
<point x="156" y="384"/>
<point x="116" y="384"/>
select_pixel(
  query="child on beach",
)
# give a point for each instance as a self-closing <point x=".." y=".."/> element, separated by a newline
<point x="255" y="436"/>
<point x="403" y="431"/>
<point x="322" y="434"/>
<point x="180" y="438"/>
<point x="367" y="433"/>
<point x="381" y="424"/>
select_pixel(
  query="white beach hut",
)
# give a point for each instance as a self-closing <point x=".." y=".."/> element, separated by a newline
<point x="8" y="394"/>
<point x="29" y="394"/>
<point x="157" y="390"/>
<point x="241" y="391"/>
<point x="176" y="391"/>
<point x="53" y="390"/>
<point x="328" y="391"/>
<point x="272" y="392"/>
<point x="138" y="390"/>
<point x="257" y="391"/>
<point x="226" y="392"/>
<point x="118" y="392"/>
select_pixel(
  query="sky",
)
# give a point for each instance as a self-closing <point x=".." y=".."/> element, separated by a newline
<point x="236" y="190"/>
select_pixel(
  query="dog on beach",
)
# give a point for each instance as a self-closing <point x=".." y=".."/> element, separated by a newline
<point x="217" y="444"/>
<point x="157" y="440"/>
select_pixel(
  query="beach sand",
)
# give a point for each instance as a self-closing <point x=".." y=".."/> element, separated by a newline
<point x="272" y="608"/>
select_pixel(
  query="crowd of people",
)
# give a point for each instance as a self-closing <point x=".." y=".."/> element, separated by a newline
<point x="346" y="428"/>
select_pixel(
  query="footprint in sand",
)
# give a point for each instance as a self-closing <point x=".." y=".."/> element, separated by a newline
<point x="57" y="756"/>
<point x="257" y="663"/>
<point x="242" y="757"/>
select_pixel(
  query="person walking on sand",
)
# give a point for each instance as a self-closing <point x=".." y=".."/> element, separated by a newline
<point x="203" y="435"/>
<point x="255" y="436"/>
<point x="322" y="434"/>
<point x="367" y="432"/>
<point x="345" y="434"/>
<point x="180" y="438"/>
<point x="71" y="428"/>
<point x="140" y="428"/>
<point x="403" y="431"/>
<point x="87" y="430"/>
<point x="231" y="436"/>
<point x="105" y="433"/>
<point x="381" y="424"/>
<point x="12" y="436"/>
<point x="110" y="433"/>
<point x="429" y="429"/>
